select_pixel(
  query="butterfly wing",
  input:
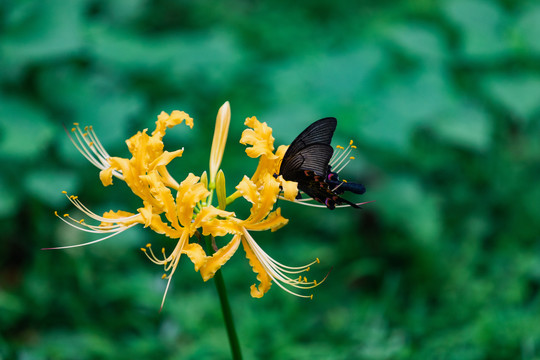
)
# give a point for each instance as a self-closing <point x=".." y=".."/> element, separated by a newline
<point x="310" y="149"/>
<point x="313" y="158"/>
<point x="306" y="162"/>
<point x="320" y="132"/>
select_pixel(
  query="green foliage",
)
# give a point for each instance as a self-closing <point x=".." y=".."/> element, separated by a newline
<point x="442" y="99"/>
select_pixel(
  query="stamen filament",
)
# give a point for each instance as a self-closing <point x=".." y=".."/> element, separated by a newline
<point x="343" y="167"/>
<point x="277" y="271"/>
<point x="98" y="155"/>
<point x="339" y="159"/>
<point x="75" y="201"/>
<point x="88" y="243"/>
<point x="316" y="204"/>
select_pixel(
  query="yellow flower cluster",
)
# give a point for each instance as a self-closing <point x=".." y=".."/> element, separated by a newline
<point x="184" y="211"/>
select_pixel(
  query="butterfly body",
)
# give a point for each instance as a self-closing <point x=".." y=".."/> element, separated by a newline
<point x="306" y="162"/>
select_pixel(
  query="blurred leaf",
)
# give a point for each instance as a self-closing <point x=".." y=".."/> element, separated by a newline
<point x="11" y="309"/>
<point x="465" y="126"/>
<point x="46" y="185"/>
<point x="423" y="42"/>
<point x="481" y="25"/>
<point x="319" y="86"/>
<point x="130" y="51"/>
<point x="211" y="57"/>
<point x="520" y="94"/>
<point x="25" y="131"/>
<point x="99" y="101"/>
<point x="528" y="28"/>
<point x="41" y="30"/>
<point x="10" y="198"/>
<point x="405" y="102"/>
<point x="405" y="203"/>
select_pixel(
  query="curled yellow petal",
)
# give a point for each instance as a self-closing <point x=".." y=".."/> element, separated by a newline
<point x="165" y="158"/>
<point x="105" y="176"/>
<point x="219" y="227"/>
<point x="259" y="137"/>
<point x="262" y="276"/>
<point x="268" y="197"/>
<point x="273" y="222"/>
<point x="220" y="257"/>
<point x="290" y="188"/>
<point x="190" y="192"/>
<point x="165" y="121"/>
<point x="248" y="189"/>
<point x="196" y="254"/>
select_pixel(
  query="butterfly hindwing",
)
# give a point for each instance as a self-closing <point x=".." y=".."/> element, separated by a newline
<point x="313" y="158"/>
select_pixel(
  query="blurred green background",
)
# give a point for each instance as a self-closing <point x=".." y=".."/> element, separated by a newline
<point x="441" y="97"/>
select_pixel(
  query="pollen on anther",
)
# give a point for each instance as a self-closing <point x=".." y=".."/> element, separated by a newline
<point x="76" y="124"/>
<point x="148" y="245"/>
<point x="305" y="279"/>
<point x="315" y="282"/>
<point x="318" y="261"/>
<point x="64" y="192"/>
<point x="344" y="180"/>
<point x="340" y="147"/>
<point x="73" y="129"/>
<point x="91" y="143"/>
<point x="56" y="213"/>
<point x="164" y="276"/>
<point x="308" y="269"/>
<point x="81" y="221"/>
<point x="311" y="297"/>
<point x="352" y="158"/>
<point x="163" y="250"/>
<point x="66" y="215"/>
<point x="143" y="249"/>
<point x="350" y="143"/>
<point x="353" y="146"/>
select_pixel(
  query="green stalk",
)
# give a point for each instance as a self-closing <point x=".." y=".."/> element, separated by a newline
<point x="225" y="308"/>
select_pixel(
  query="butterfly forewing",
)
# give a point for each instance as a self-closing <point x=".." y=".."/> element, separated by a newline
<point x="320" y="132"/>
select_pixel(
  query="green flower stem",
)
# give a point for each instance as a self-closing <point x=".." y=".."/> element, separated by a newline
<point x="225" y="307"/>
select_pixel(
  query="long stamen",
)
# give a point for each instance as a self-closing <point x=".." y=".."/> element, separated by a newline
<point x="278" y="271"/>
<point x="88" y="243"/>
<point x="169" y="262"/>
<point x="75" y="201"/>
<point x="345" y="153"/>
<point x="307" y="202"/>
<point x="97" y="144"/>
<point x="340" y="153"/>
<point x="96" y="229"/>
<point x="114" y="233"/>
<point x="82" y="144"/>
<point x="175" y="256"/>
<point x="343" y="166"/>
<point x="88" y="144"/>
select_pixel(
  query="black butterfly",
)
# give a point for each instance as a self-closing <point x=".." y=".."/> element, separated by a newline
<point x="306" y="162"/>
